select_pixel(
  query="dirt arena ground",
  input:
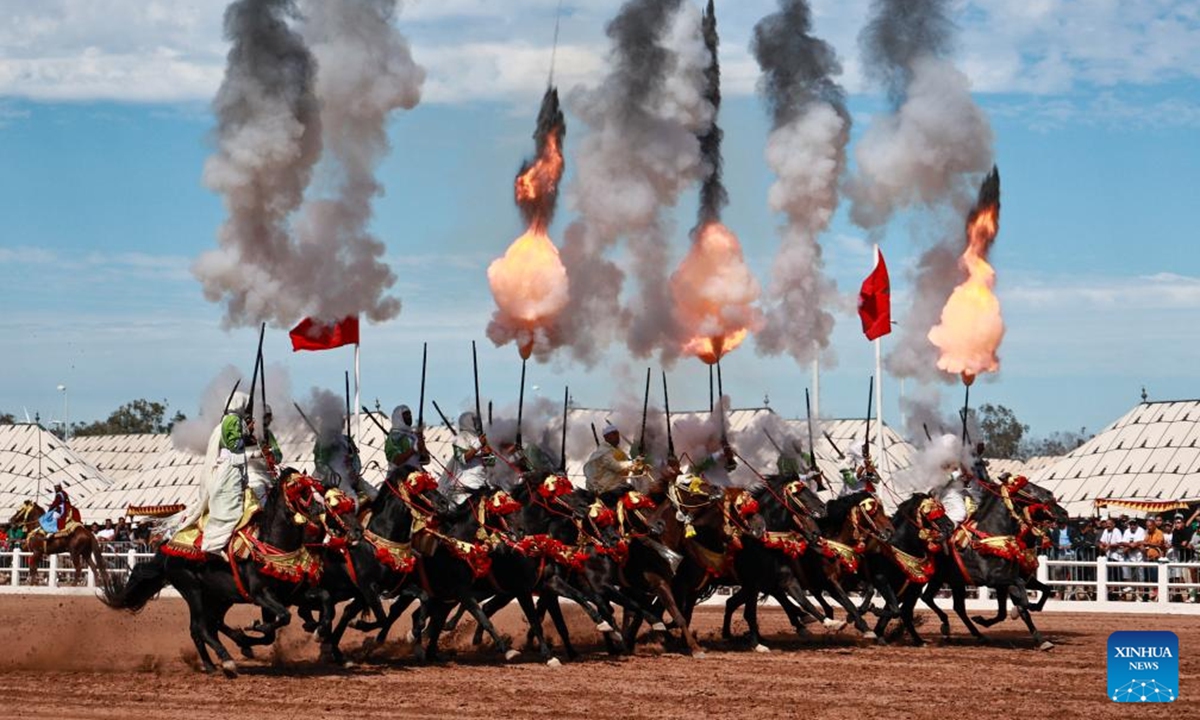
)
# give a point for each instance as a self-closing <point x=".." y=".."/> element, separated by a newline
<point x="66" y="657"/>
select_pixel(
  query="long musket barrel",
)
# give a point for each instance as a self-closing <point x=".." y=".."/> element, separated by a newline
<point x="836" y="449"/>
<point x="667" y="410"/>
<point x="445" y="422"/>
<point x="641" y="449"/>
<point x="595" y="435"/>
<point x="372" y="418"/>
<point x="478" y="408"/>
<point x="307" y="422"/>
<point x="927" y="435"/>
<point x="562" y="466"/>
<point x="812" y="450"/>
<point x="520" y="404"/>
<point x="421" y="407"/>
<point x="254" y="377"/>
<point x="348" y="434"/>
<point x="870" y="400"/>
<point x="721" y="402"/>
<point x="966" y="408"/>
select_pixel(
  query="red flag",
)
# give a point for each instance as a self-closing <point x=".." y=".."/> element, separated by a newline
<point x="314" y="335"/>
<point x="875" y="300"/>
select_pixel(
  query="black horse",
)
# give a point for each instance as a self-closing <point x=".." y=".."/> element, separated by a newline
<point x="275" y="572"/>
<point x="994" y="549"/>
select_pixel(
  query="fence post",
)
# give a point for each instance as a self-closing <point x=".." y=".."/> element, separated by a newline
<point x="16" y="568"/>
<point x="1102" y="579"/>
<point x="1164" y="592"/>
<point x="53" y="571"/>
<point x="131" y="558"/>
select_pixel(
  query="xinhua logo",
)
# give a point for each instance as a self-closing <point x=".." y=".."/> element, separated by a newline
<point x="1143" y="666"/>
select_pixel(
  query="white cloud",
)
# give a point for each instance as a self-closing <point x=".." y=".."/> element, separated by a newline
<point x="1160" y="291"/>
<point x="168" y="51"/>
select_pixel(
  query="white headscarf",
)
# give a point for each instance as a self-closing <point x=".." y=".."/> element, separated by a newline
<point x="398" y="422"/>
<point x="466" y="422"/>
<point x="238" y="403"/>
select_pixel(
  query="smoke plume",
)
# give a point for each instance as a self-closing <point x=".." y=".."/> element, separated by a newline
<point x="928" y="153"/>
<point x="639" y="154"/>
<point x="275" y="114"/>
<point x="713" y="196"/>
<point x="191" y="435"/>
<point x="807" y="151"/>
<point x="926" y="475"/>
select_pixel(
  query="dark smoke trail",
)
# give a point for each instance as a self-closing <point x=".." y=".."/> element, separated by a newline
<point x="551" y="128"/>
<point x="713" y="196"/>
<point x="898" y="34"/>
<point x="807" y="152"/>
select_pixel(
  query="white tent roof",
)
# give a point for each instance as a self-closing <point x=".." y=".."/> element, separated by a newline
<point x="32" y="460"/>
<point x="1151" y="453"/>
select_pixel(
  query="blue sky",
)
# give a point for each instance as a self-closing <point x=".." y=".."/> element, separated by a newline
<point x="104" y="128"/>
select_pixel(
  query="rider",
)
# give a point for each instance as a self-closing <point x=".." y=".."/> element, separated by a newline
<point x="227" y="476"/>
<point x="954" y="492"/>
<point x="59" y="513"/>
<point x="467" y="472"/>
<point x="859" y="473"/>
<point x="404" y="447"/>
<point x="260" y="478"/>
<point x="337" y="464"/>
<point x="608" y="469"/>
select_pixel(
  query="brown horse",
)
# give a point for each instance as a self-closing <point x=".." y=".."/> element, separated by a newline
<point x="77" y="540"/>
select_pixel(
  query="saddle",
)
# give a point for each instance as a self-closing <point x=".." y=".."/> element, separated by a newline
<point x="186" y="541"/>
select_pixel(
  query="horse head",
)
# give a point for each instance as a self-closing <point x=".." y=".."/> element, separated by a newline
<point x="870" y="522"/>
<point x="744" y="513"/>
<point x="640" y="514"/>
<point x="501" y="511"/>
<point x="340" y="518"/>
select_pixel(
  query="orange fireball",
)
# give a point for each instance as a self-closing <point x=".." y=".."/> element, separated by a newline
<point x="971" y="326"/>
<point x="530" y="282"/>
<point x="715" y="295"/>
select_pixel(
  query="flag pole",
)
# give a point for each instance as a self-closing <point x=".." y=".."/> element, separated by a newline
<point x="879" y="402"/>
<point x="357" y="395"/>
<point x="816" y="379"/>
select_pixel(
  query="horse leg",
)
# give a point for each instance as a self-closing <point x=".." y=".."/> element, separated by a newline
<point x="209" y="625"/>
<point x="560" y="624"/>
<point x="525" y="600"/>
<point x="928" y="595"/>
<point x="1021" y="600"/>
<point x="452" y="623"/>
<point x="1032" y="583"/>
<point x="959" y="595"/>
<point x="796" y="593"/>
<point x="482" y="619"/>
<point x="437" y="621"/>
<point x="662" y="589"/>
<point x="591" y="605"/>
<point x="1001" y="608"/>
<point x="490" y="607"/>
<point x="736" y="600"/>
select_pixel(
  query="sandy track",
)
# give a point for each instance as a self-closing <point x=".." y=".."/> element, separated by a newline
<point x="73" y="658"/>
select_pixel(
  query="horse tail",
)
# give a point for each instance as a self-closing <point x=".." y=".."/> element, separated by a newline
<point x="145" y="581"/>
<point x="98" y="559"/>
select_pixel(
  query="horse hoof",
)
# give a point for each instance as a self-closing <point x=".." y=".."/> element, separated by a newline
<point x="229" y="667"/>
<point x="348" y="665"/>
<point x="659" y="627"/>
<point x="604" y="627"/>
<point x="553" y="662"/>
<point x="869" y="635"/>
<point x="833" y="625"/>
<point x="699" y="655"/>
<point x="1013" y="614"/>
<point x="760" y="648"/>
<point x="1046" y="646"/>
<point x="511" y="655"/>
<point x="945" y="630"/>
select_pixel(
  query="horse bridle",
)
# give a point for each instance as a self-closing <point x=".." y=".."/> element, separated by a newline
<point x="866" y="510"/>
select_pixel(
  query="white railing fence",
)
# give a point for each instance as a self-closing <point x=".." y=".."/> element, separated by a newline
<point x="1096" y="585"/>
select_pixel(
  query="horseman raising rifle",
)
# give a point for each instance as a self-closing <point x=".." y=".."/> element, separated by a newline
<point x="60" y="512"/>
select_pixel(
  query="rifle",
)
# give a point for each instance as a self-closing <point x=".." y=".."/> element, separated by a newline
<point x="562" y="467"/>
<point x="371" y="417"/>
<point x="520" y="405"/>
<point x="927" y="435"/>
<point x="267" y="453"/>
<point x="667" y="408"/>
<point x="307" y="422"/>
<point x="772" y="441"/>
<point x="966" y="406"/>
<point x="254" y="376"/>
<point x="348" y="435"/>
<point x="641" y="447"/>
<point x="870" y="400"/>
<point x="730" y="463"/>
<point x="595" y="435"/>
<point x="424" y="452"/>
<point x="445" y="422"/>
<point x="812" y="450"/>
<point x="834" y="445"/>
<point x="478" y="409"/>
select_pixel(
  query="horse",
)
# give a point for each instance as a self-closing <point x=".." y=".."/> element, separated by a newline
<point x="991" y="549"/>
<point x="271" y="568"/>
<point x="794" y="556"/>
<point x="382" y="563"/>
<point x="76" y="539"/>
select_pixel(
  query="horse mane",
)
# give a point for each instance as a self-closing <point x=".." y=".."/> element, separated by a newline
<point x="907" y="508"/>
<point x="838" y="509"/>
